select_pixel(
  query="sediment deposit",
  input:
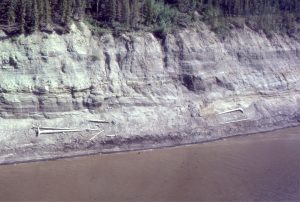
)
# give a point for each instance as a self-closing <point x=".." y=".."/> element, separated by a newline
<point x="189" y="88"/>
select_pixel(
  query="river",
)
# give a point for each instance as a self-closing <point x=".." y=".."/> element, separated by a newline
<point x="260" y="167"/>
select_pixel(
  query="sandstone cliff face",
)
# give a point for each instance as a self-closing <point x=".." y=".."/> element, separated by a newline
<point x="191" y="87"/>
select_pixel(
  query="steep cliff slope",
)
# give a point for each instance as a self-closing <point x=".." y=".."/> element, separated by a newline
<point x="191" y="87"/>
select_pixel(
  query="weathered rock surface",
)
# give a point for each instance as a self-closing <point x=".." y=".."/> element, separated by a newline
<point x="191" y="87"/>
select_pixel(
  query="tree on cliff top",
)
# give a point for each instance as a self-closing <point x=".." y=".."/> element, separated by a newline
<point x="26" y="16"/>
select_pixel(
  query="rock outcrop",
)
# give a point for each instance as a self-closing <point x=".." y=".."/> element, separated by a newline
<point x="191" y="87"/>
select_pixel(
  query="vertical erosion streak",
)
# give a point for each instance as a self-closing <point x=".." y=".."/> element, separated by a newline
<point x="107" y="64"/>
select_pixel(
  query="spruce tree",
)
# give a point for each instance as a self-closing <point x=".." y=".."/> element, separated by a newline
<point x="135" y="13"/>
<point x="126" y="13"/>
<point x="11" y="15"/>
<point x="111" y="11"/>
<point x="149" y="11"/>
<point x="47" y="12"/>
<point x="36" y="16"/>
<point x="119" y="10"/>
<point x="22" y="16"/>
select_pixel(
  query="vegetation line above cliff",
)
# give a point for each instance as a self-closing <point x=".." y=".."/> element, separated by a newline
<point x="158" y="16"/>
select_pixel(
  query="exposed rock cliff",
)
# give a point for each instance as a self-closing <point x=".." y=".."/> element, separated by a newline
<point x="191" y="87"/>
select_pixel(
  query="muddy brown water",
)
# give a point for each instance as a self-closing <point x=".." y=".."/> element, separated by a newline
<point x="262" y="167"/>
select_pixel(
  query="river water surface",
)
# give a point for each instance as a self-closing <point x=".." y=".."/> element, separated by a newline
<point x="263" y="167"/>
